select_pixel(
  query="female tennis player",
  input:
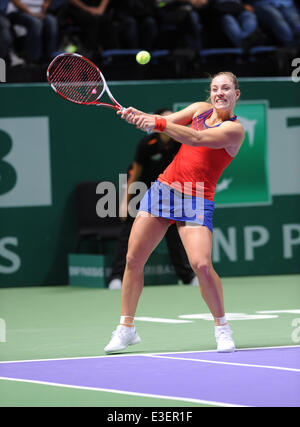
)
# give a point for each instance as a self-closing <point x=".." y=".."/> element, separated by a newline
<point x="184" y="193"/>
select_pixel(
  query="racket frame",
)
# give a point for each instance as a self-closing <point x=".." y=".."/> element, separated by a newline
<point x="116" y="105"/>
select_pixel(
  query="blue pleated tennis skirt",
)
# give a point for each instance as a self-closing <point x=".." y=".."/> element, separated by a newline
<point x="163" y="201"/>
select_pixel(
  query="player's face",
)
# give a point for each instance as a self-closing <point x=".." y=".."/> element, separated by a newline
<point x="223" y="94"/>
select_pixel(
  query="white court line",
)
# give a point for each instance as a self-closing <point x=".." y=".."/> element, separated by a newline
<point x="217" y="362"/>
<point x="130" y="393"/>
<point x="141" y="354"/>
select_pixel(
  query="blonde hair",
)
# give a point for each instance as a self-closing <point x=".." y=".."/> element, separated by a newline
<point x="228" y="74"/>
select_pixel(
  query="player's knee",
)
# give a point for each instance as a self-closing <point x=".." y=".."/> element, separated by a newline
<point x="202" y="266"/>
<point x="133" y="261"/>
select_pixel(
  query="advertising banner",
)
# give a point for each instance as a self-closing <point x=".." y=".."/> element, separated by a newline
<point x="48" y="146"/>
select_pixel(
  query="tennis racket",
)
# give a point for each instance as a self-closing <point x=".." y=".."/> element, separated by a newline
<point x="77" y="79"/>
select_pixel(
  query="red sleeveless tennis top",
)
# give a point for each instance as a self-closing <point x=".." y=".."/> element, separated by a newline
<point x="196" y="170"/>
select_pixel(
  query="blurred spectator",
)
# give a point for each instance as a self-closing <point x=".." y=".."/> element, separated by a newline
<point x="238" y="22"/>
<point x="136" y="23"/>
<point x="6" y="37"/>
<point x="41" y="27"/>
<point x="183" y="16"/>
<point x="57" y="4"/>
<point x="281" y="18"/>
<point x="95" y="22"/>
<point x="6" y="40"/>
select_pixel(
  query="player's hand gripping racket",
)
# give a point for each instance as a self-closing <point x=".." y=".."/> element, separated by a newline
<point x="78" y="80"/>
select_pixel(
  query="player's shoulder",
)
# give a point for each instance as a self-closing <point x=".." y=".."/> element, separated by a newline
<point x="234" y="124"/>
<point x="236" y="132"/>
<point x="238" y="123"/>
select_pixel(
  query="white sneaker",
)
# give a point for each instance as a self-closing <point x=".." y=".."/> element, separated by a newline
<point x="225" y="343"/>
<point x="115" y="284"/>
<point x="122" y="337"/>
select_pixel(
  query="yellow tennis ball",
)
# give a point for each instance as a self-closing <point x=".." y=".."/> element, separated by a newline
<point x="143" y="57"/>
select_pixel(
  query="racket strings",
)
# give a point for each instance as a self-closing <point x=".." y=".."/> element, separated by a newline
<point x="76" y="79"/>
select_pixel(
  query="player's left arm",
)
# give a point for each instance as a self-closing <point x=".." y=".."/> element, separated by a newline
<point x="229" y="134"/>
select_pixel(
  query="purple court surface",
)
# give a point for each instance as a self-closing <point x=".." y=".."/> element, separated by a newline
<point x="250" y="377"/>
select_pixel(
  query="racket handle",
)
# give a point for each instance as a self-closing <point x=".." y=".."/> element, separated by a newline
<point x="149" y="130"/>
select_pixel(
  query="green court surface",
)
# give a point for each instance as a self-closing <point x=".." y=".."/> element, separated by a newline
<point x="71" y="322"/>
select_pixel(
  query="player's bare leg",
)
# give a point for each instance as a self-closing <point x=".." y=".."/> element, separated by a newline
<point x="197" y="241"/>
<point x="147" y="231"/>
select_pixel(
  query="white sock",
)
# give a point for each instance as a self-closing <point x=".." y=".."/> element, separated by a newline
<point x="126" y="325"/>
<point x="222" y="321"/>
